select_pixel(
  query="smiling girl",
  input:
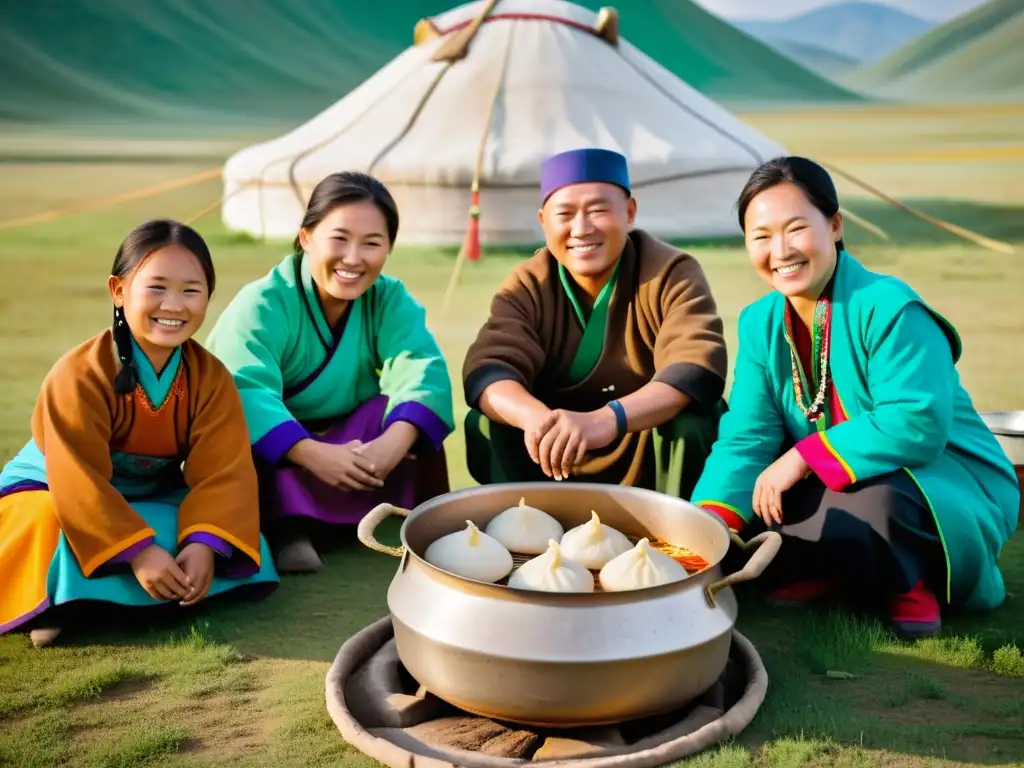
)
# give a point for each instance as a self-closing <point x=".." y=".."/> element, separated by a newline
<point x="849" y="430"/>
<point x="346" y="393"/>
<point x="137" y="487"/>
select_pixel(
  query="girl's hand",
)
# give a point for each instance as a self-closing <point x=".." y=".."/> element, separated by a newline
<point x="160" y="575"/>
<point x="196" y="560"/>
<point x="783" y="474"/>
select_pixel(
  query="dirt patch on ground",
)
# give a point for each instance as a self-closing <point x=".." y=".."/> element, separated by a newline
<point x="221" y="725"/>
<point x="231" y="726"/>
<point x="126" y="689"/>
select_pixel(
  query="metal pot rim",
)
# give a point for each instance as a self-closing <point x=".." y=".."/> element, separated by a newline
<point x="533" y="595"/>
<point x="1003" y="423"/>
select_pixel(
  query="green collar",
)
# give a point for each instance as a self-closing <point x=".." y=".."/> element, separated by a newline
<point x="603" y="298"/>
<point x="155" y="386"/>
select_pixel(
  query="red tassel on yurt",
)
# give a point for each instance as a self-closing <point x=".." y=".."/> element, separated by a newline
<point x="472" y="244"/>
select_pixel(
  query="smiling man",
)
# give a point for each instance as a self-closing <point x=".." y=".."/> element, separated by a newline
<point x="603" y="358"/>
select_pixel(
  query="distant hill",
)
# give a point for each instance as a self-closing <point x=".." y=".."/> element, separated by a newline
<point x="817" y="59"/>
<point x="187" y="65"/>
<point x="716" y="58"/>
<point x="187" y="61"/>
<point x="977" y="55"/>
<point x="858" y="32"/>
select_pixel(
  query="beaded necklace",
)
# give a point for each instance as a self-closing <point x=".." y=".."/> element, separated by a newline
<point x="820" y="376"/>
<point x="815" y="410"/>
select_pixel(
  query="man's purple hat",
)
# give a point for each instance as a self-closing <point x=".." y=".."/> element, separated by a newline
<point x="583" y="165"/>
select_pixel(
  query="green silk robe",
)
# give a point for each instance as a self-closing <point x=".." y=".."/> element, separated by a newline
<point x="292" y="368"/>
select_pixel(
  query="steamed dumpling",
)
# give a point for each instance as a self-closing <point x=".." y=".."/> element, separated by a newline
<point x="642" y="566"/>
<point x="552" y="572"/>
<point x="524" y="529"/>
<point x="472" y="554"/>
<point x="593" y="544"/>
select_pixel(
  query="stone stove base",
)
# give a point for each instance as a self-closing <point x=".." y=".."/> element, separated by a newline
<point x="381" y="711"/>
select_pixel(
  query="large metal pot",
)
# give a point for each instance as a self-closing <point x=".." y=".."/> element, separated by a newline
<point x="564" y="660"/>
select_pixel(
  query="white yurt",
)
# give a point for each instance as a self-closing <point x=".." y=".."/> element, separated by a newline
<point x="538" y="77"/>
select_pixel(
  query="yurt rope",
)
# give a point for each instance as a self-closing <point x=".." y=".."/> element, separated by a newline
<point x="864" y="223"/>
<point x="694" y="113"/>
<point x="196" y="178"/>
<point x="95" y="204"/>
<point x="294" y="160"/>
<point x="474" y="210"/>
<point x="450" y="50"/>
<point x="966" y="234"/>
<point x="410" y="122"/>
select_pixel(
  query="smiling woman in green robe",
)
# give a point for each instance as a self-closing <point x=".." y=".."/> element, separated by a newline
<point x="849" y="430"/>
<point x="346" y="393"/>
<point x="603" y="357"/>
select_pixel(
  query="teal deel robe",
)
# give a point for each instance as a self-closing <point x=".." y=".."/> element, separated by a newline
<point x="893" y="362"/>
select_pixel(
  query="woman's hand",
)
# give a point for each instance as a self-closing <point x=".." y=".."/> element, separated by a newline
<point x="387" y="451"/>
<point x="196" y="560"/>
<point x="160" y="575"/>
<point x="339" y="466"/>
<point x="783" y="474"/>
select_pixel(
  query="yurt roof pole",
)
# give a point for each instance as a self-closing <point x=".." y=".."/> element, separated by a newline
<point x="457" y="46"/>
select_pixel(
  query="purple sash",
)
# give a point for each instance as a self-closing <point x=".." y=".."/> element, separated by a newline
<point x="290" y="491"/>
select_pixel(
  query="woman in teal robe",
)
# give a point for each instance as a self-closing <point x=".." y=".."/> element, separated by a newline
<point x="346" y="392"/>
<point x="848" y="429"/>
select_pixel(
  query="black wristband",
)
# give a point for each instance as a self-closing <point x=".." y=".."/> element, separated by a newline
<point x="621" y="427"/>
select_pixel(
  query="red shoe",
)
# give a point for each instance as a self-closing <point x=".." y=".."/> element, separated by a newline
<point x="915" y="613"/>
<point x="800" y="593"/>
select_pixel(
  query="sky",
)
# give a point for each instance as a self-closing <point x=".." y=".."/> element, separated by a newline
<point x="935" y="10"/>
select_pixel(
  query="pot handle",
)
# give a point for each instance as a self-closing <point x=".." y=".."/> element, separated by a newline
<point x="765" y="545"/>
<point x="368" y="527"/>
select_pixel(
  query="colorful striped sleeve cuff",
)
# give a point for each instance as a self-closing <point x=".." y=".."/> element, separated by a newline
<point x="278" y="441"/>
<point x="126" y="555"/>
<point x="430" y="425"/>
<point x="216" y="543"/>
<point x="730" y="515"/>
<point x="826" y="462"/>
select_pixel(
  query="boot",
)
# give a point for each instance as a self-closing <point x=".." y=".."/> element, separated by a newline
<point x="44" y="636"/>
<point x="916" y="613"/>
<point x="298" y="556"/>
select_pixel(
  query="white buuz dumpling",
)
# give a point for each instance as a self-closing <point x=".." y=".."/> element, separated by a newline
<point x="552" y="572"/>
<point x="593" y="544"/>
<point x="642" y="566"/>
<point x="524" y="529"/>
<point x="472" y="554"/>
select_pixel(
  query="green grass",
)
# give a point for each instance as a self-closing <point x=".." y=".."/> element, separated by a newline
<point x="233" y="684"/>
